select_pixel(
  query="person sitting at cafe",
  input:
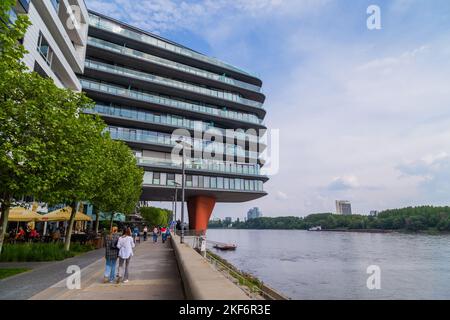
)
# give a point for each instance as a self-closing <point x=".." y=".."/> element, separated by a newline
<point x="21" y="234"/>
<point x="34" y="234"/>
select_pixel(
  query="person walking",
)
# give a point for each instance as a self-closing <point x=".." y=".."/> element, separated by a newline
<point x="125" y="244"/>
<point x="111" y="255"/>
<point x="145" y="233"/>
<point x="155" y="234"/>
<point x="163" y="234"/>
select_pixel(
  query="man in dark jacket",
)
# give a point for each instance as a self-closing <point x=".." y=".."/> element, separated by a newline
<point x="111" y="255"/>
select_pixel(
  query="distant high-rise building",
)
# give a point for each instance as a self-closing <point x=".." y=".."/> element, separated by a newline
<point x="254" y="213"/>
<point x="343" y="207"/>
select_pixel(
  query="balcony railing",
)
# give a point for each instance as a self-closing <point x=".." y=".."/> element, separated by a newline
<point x="171" y="64"/>
<point x="205" y="165"/>
<point x="164" y="139"/>
<point x="111" y="26"/>
<point x="146" y="97"/>
<point x="165" y="119"/>
<point x="228" y="96"/>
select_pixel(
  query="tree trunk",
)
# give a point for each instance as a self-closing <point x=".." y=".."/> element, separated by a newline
<point x="112" y="222"/>
<point x="97" y="219"/>
<point x="4" y="222"/>
<point x="74" y="205"/>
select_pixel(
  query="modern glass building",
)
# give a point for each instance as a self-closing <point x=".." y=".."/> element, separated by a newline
<point x="145" y="87"/>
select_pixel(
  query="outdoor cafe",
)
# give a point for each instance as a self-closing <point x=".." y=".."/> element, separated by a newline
<point x="29" y="226"/>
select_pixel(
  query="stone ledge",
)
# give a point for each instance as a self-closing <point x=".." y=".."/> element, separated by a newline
<point x="201" y="281"/>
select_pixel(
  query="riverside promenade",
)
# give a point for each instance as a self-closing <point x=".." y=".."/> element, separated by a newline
<point x="153" y="271"/>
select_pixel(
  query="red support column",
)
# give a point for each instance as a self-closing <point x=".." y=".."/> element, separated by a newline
<point x="200" y="209"/>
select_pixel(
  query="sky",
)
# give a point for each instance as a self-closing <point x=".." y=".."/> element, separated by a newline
<point x="363" y="115"/>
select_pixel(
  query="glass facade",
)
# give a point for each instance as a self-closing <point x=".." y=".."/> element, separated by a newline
<point x="111" y="26"/>
<point x="204" y="182"/>
<point x="154" y="137"/>
<point x="151" y="98"/>
<point x="220" y="94"/>
<point x="165" y="119"/>
<point x="205" y="165"/>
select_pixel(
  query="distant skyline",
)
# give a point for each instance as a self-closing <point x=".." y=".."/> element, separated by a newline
<point x="363" y="115"/>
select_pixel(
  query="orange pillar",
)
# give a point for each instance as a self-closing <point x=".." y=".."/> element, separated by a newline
<point x="200" y="209"/>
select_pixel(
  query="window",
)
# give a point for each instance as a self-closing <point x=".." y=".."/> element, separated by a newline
<point x="213" y="182"/>
<point x="195" y="181"/>
<point x="44" y="49"/>
<point x="226" y="183"/>
<point x="163" y="179"/>
<point x="55" y="4"/>
<point x="170" y="179"/>
<point x="156" y="178"/>
<point x="220" y="183"/>
<point x="237" y="184"/>
<point x="148" y="177"/>
<point x="200" y="182"/>
<point x="188" y="181"/>
<point x="232" y="184"/>
<point x="206" y="181"/>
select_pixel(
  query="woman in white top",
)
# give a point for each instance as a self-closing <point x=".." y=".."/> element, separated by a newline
<point x="125" y="244"/>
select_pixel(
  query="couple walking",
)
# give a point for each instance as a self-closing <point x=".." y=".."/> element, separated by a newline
<point x="118" y="247"/>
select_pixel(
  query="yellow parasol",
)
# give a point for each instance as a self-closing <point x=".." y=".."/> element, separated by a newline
<point x="64" y="215"/>
<point x="19" y="214"/>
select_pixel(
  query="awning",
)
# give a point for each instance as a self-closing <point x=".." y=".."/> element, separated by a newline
<point x="19" y="214"/>
<point x="64" y="215"/>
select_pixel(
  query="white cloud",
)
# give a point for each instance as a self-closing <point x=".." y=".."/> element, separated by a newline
<point x="343" y="183"/>
<point x="281" y="195"/>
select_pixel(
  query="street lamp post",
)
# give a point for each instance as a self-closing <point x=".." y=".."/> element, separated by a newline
<point x="180" y="140"/>
<point x="176" y="199"/>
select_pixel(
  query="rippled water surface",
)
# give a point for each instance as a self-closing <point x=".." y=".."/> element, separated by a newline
<point x="333" y="265"/>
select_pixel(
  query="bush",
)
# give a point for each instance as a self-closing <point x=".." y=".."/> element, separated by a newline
<point x="40" y="252"/>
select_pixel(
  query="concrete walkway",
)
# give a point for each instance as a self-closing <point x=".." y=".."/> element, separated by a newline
<point x="153" y="272"/>
<point x="42" y="275"/>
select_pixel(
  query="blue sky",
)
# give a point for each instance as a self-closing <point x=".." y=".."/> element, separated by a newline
<point x="363" y="115"/>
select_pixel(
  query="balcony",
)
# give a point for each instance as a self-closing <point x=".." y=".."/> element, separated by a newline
<point x="106" y="45"/>
<point x="182" y="105"/>
<point x="172" y="121"/>
<point x="108" y="25"/>
<point x="166" y="140"/>
<point x="205" y="165"/>
<point x="227" y="96"/>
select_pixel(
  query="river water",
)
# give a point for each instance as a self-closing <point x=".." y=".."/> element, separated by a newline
<point x="333" y="265"/>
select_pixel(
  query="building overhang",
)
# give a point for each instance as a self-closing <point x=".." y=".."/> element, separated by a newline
<point x="163" y="193"/>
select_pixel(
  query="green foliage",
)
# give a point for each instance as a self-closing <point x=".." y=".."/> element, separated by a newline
<point x="49" y="148"/>
<point x="424" y="218"/>
<point x="121" y="179"/>
<point x="156" y="216"/>
<point x="9" y="272"/>
<point x="27" y="252"/>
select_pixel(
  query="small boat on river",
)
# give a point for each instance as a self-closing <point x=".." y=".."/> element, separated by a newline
<point x="223" y="246"/>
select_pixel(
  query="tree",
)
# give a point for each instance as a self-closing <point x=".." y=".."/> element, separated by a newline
<point x="156" y="216"/>
<point x="80" y="159"/>
<point x="121" y="180"/>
